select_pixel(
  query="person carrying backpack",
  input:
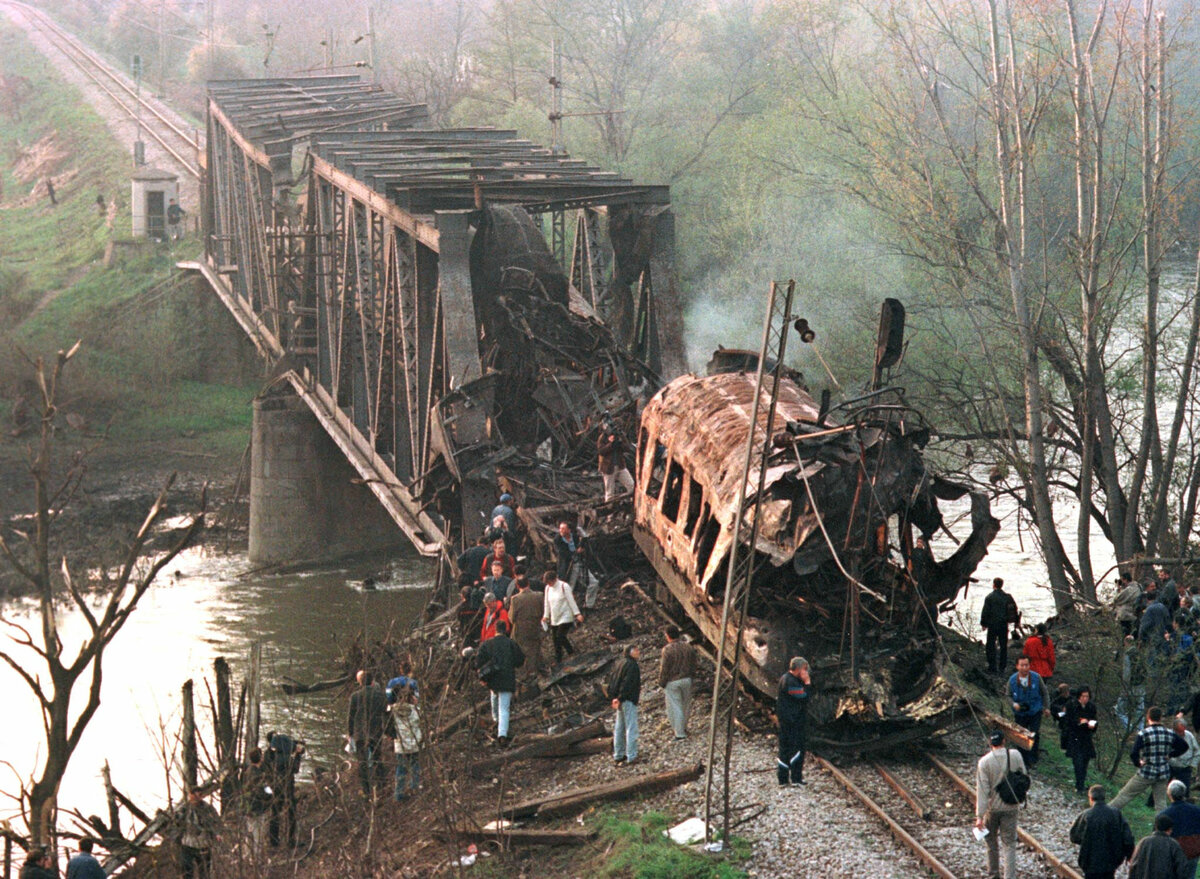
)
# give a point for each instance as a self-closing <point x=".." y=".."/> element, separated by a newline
<point x="996" y="783"/>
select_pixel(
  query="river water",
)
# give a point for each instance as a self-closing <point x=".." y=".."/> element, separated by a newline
<point x="203" y="606"/>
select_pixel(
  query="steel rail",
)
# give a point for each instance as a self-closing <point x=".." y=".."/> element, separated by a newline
<point x="1066" y="871"/>
<point x="908" y="796"/>
<point x="88" y="62"/>
<point x="897" y="831"/>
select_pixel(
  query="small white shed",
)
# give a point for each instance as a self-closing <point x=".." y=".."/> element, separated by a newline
<point x="152" y="191"/>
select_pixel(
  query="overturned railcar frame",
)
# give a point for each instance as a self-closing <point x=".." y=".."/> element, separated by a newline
<point x="837" y="492"/>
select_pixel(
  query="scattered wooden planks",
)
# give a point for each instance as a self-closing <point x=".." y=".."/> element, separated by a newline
<point x="577" y="800"/>
<point x="542" y="746"/>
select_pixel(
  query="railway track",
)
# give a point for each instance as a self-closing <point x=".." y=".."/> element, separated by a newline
<point x="183" y="146"/>
<point x="930" y="810"/>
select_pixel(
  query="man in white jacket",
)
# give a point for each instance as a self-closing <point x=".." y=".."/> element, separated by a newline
<point x="559" y="612"/>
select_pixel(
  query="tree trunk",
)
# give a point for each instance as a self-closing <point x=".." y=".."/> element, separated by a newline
<point x="1012" y="215"/>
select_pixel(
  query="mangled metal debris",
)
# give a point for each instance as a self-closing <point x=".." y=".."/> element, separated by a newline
<point x="848" y="510"/>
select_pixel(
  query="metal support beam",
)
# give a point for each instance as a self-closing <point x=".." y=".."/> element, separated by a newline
<point x="458" y="304"/>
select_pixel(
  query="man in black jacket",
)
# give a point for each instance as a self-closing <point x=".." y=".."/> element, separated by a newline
<point x="366" y="726"/>
<point x="791" y="710"/>
<point x="999" y="609"/>
<point x="498" y="660"/>
<point x="1103" y="835"/>
<point x="625" y="689"/>
<point x="570" y="555"/>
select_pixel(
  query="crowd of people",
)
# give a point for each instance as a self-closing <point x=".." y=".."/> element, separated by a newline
<point x="1158" y="619"/>
<point x="1103" y="835"/>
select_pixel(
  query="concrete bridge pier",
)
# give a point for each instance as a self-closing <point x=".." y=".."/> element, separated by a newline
<point x="305" y="504"/>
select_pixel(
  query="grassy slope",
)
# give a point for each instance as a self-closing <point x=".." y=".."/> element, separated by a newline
<point x="131" y="370"/>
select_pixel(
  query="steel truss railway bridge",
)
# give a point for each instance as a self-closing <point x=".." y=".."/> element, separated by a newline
<point x="340" y="230"/>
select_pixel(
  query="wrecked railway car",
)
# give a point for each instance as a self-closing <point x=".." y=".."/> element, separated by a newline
<point x="844" y="574"/>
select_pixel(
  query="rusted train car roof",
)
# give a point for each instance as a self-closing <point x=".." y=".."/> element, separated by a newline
<point x="708" y="419"/>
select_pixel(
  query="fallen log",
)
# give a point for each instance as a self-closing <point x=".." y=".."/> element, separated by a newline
<point x="294" y="688"/>
<point x="1015" y="733"/>
<point x="600" y="745"/>
<point x="539" y="746"/>
<point x="515" y="836"/>
<point x="463" y="717"/>
<point x="583" y="665"/>
<point x="577" y="800"/>
<point x="124" y="854"/>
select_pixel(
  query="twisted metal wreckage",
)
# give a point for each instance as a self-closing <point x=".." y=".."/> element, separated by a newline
<point x="398" y="278"/>
<point x="840" y="485"/>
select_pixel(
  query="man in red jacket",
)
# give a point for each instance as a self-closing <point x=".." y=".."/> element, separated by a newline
<point x="493" y="612"/>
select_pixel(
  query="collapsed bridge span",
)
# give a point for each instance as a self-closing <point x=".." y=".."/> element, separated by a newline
<point x="397" y="277"/>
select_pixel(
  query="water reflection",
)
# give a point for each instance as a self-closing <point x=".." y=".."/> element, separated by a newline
<point x="203" y="606"/>
<point x="1014" y="555"/>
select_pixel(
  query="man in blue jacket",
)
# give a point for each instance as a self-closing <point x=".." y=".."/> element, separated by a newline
<point x="1030" y="700"/>
<point x="84" y="865"/>
<point x="791" y="709"/>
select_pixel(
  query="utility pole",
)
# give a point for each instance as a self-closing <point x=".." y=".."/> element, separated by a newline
<point x="269" y="46"/>
<point x="558" y="221"/>
<point x="329" y="50"/>
<point x="556" y="145"/>
<point x="210" y="37"/>
<point x="371" y="56"/>
<point x="162" y="48"/>
<point x="740" y="572"/>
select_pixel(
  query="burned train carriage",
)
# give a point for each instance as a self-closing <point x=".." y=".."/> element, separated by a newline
<point x="829" y="584"/>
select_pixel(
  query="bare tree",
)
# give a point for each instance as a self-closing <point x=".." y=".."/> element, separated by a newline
<point x="54" y="675"/>
<point x="1002" y="143"/>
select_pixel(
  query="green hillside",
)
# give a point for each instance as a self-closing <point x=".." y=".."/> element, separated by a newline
<point x="158" y="359"/>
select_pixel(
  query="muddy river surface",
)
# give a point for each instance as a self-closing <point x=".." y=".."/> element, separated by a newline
<point x="203" y="606"/>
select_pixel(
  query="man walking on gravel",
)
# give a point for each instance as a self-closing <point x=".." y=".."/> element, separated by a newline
<point x="525" y="616"/>
<point x="1103" y="835"/>
<point x="677" y="667"/>
<point x="625" y="689"/>
<point x="1030" y="700"/>
<point x="500" y="658"/>
<point x="1152" y="751"/>
<point x="791" y="710"/>
<point x="559" y="613"/>
<point x="991" y="812"/>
